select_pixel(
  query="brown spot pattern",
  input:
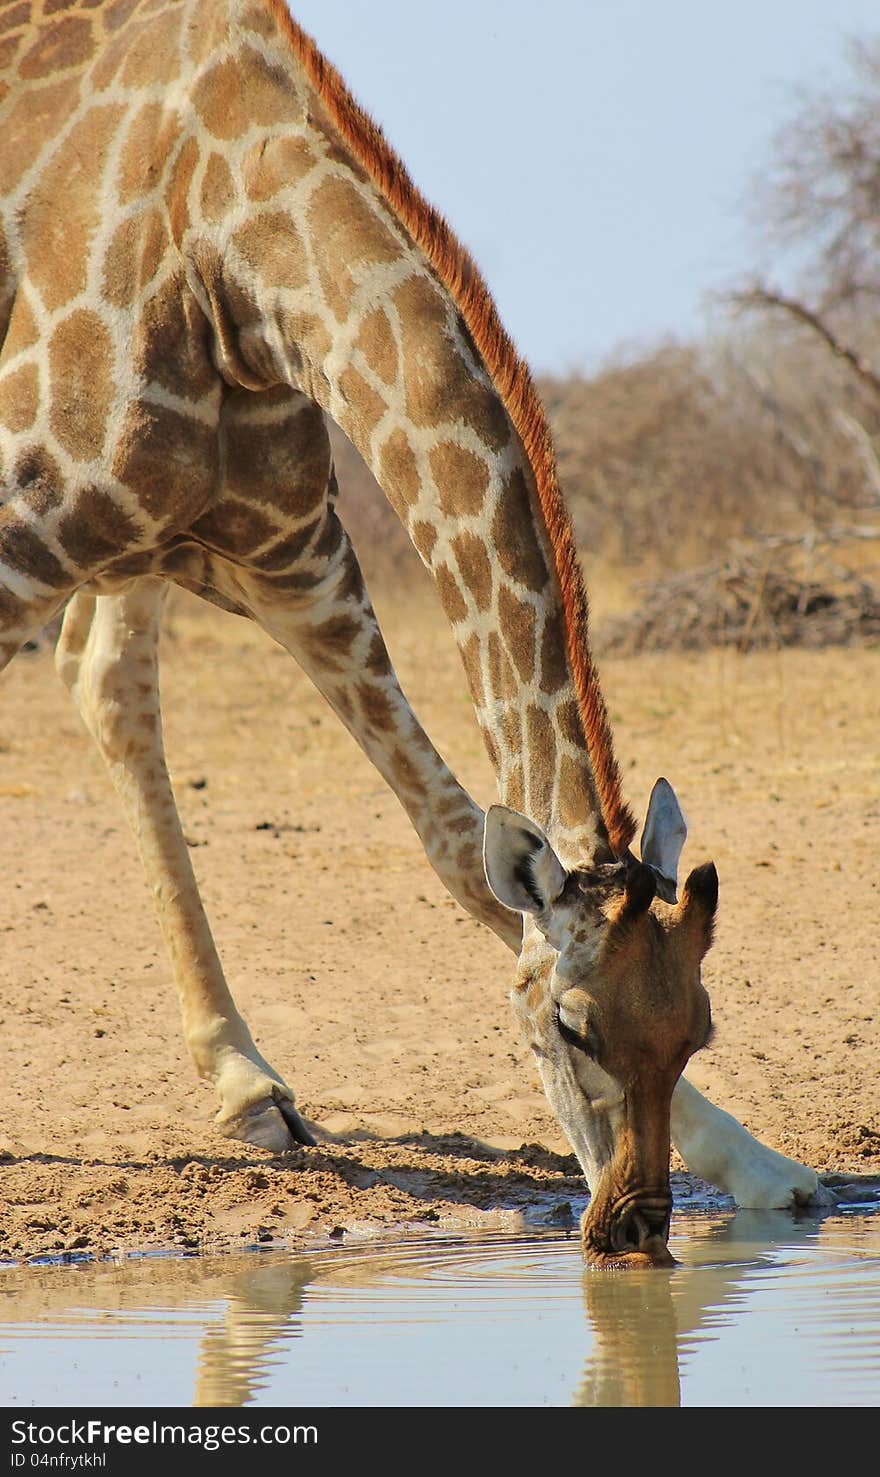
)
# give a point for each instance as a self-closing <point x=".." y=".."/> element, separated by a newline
<point x="376" y="706"/>
<point x="490" y="746"/>
<point x="406" y="773"/>
<point x="336" y="635"/>
<point x="514" y="537"/>
<point x="118" y="12"/>
<point x="377" y="657"/>
<point x="234" y="528"/>
<point x="170" y="344"/>
<point x="350" y="235"/>
<point x="541" y="744"/>
<point x="20" y="398"/>
<point x="365" y="406"/>
<point x="511" y="730"/>
<point x="81" y="368"/>
<point x="38" y="477"/>
<point x="66" y="44"/>
<point x="398" y="472"/>
<point x="461" y="478"/>
<point x="501" y="674"/>
<point x="32" y="118"/>
<point x="23" y="549"/>
<point x="473" y="666"/>
<point x="95" y="529"/>
<point x="121" y="264"/>
<point x="8" y="49"/>
<point x="152" y="52"/>
<point x="514" y="786"/>
<point x="274" y="250"/>
<point x="64" y="207"/>
<point x="570" y="723"/>
<point x="310" y="334"/>
<point x="287" y="468"/>
<point x="13" y="16"/>
<point x="148" y="144"/>
<point x="284" y="554"/>
<point x="377" y="344"/>
<point x="22" y="331"/>
<point x="108" y="64"/>
<point x="554" y="657"/>
<point x="473" y="563"/>
<point x="274" y="165"/>
<point x="177" y="190"/>
<point x="517" y="621"/>
<point x="168" y="460"/>
<point x="439" y="385"/>
<point x="257" y="18"/>
<point x="424" y="537"/>
<point x="450" y="595"/>
<point x="218" y="189"/>
<point x="575" y="792"/>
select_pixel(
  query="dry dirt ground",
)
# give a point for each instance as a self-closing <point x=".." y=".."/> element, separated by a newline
<point x="381" y="1002"/>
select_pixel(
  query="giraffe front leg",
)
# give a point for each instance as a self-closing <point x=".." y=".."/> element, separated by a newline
<point x="716" y="1147"/>
<point x="108" y="658"/>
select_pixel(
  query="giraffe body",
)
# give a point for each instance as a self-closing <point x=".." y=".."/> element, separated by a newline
<point x="205" y="250"/>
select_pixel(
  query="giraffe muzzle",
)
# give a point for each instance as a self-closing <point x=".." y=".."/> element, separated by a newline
<point x="644" y="1228"/>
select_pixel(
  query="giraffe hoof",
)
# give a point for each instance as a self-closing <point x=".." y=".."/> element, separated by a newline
<point x="821" y="1196"/>
<point x="273" y="1124"/>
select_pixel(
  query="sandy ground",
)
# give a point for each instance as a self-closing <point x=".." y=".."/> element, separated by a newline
<point x="380" y="1001"/>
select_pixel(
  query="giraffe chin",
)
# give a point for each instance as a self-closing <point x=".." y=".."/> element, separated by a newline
<point x="635" y="1235"/>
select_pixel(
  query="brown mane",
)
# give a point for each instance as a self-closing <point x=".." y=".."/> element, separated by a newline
<point x="459" y="274"/>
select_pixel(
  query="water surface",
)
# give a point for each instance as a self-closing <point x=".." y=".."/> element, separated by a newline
<point x="762" y="1310"/>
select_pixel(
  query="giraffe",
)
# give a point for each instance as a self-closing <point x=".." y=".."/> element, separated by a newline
<point x="206" y="250"/>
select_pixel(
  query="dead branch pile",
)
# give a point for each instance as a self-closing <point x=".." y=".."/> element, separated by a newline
<point x="770" y="592"/>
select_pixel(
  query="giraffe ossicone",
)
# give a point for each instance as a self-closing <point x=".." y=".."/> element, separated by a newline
<point x="207" y="248"/>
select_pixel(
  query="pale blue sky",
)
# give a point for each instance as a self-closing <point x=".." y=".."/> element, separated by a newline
<point x="596" y="157"/>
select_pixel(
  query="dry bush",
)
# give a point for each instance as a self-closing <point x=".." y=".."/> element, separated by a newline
<point x="767" y="593"/>
<point x="665" y="459"/>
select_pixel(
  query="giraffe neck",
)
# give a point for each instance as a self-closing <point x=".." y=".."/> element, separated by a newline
<point x="314" y="274"/>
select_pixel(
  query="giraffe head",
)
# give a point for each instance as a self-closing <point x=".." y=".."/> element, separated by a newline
<point x="609" y="990"/>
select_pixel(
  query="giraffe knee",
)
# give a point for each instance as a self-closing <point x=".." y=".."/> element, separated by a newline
<point x="71" y="644"/>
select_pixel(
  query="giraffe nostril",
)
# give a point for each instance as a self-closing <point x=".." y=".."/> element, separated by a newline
<point x="640" y="1227"/>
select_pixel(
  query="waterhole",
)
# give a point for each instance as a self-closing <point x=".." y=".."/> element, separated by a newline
<point x="762" y="1309"/>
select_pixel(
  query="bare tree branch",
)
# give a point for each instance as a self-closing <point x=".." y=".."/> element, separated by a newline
<point x="764" y="297"/>
<point x="863" y="444"/>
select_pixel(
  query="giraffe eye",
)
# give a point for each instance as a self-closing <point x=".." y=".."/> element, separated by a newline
<point x="584" y="1043"/>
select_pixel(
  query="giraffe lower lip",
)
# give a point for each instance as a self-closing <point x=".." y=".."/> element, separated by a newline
<point x="652" y="1257"/>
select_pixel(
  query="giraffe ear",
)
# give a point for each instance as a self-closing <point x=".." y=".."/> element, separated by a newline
<point x="522" y="868"/>
<point x="698" y="906"/>
<point x="663" y="839"/>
